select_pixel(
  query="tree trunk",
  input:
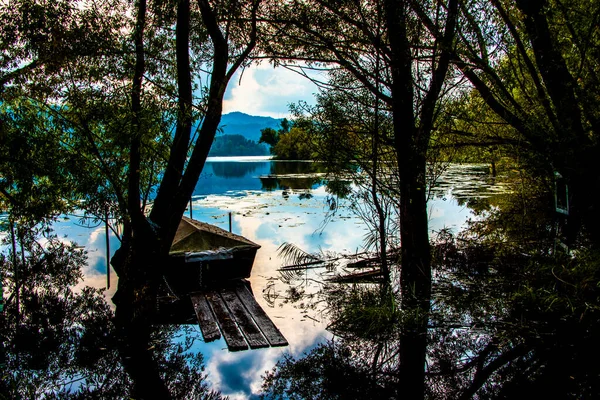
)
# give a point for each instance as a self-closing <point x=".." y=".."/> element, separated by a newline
<point x="139" y="363"/>
<point x="179" y="183"/>
<point x="415" y="273"/>
<point x="138" y="260"/>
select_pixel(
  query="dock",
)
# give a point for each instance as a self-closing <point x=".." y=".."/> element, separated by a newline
<point x="233" y="313"/>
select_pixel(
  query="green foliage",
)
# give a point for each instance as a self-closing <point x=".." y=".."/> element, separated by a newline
<point x="39" y="38"/>
<point x="342" y="125"/>
<point x="269" y="136"/>
<point x="470" y="132"/>
<point x="542" y="81"/>
<point x="55" y="55"/>
<point x="285" y="126"/>
<point x="508" y="295"/>
<point x="40" y="173"/>
<point x="294" y="145"/>
<point x="236" y="145"/>
<point x="329" y="371"/>
<point x="339" y="188"/>
<point x="289" y="142"/>
<point x="362" y="312"/>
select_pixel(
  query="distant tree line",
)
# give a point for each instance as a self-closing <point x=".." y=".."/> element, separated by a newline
<point x="236" y="145"/>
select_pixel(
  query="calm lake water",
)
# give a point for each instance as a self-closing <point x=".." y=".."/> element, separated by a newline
<point x="272" y="203"/>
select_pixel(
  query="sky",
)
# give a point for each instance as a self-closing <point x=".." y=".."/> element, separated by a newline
<point x="267" y="91"/>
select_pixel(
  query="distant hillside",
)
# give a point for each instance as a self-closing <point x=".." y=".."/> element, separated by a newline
<point x="249" y="126"/>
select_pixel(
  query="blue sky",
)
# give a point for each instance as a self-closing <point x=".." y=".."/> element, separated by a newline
<point x="267" y="91"/>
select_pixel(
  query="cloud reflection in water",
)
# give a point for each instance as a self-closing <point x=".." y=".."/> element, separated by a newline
<point x="268" y="218"/>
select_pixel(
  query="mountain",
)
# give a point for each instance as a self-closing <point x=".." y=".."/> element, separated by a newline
<point x="249" y="126"/>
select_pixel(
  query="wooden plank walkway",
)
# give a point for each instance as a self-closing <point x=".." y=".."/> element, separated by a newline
<point x="234" y="312"/>
<point x="233" y="337"/>
<point x="206" y="319"/>
<point x="265" y="324"/>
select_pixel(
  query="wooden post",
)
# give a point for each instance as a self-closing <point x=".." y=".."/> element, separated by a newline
<point x="191" y="212"/>
<point x="107" y="252"/>
<point x="16" y="272"/>
<point x="17" y="287"/>
<point x="230" y="221"/>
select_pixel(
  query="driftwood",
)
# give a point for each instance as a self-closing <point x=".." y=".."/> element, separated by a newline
<point x="306" y="265"/>
<point x="359" y="277"/>
<point x="367" y="262"/>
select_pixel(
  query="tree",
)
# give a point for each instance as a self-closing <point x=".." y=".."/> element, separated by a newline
<point x="386" y="49"/>
<point x="236" y="145"/>
<point x="115" y="113"/>
<point x="271" y="136"/>
<point x="60" y="340"/>
<point x="39" y="39"/>
<point x="294" y="145"/>
<point x="327" y="372"/>
<point x="43" y="46"/>
<point x="542" y="87"/>
<point x="147" y="241"/>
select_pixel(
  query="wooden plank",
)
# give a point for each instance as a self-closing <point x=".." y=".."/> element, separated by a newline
<point x="206" y="319"/>
<point x="253" y="335"/>
<point x="262" y="320"/>
<point x="233" y="337"/>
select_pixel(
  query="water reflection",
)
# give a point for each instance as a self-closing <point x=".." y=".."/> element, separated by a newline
<point x="57" y="342"/>
<point x="271" y="203"/>
<point x="513" y="316"/>
<point x="227" y="170"/>
<point x="468" y="182"/>
<point x="223" y="176"/>
<point x="271" y="183"/>
<point x="270" y="219"/>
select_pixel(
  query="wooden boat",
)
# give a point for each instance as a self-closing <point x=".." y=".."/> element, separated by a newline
<point x="203" y="255"/>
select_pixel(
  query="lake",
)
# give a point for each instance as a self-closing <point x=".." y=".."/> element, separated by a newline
<point x="271" y="203"/>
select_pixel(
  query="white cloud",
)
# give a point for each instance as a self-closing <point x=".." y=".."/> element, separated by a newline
<point x="267" y="91"/>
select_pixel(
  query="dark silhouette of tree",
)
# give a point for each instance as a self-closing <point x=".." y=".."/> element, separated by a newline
<point x="109" y="89"/>
<point x="512" y="314"/>
<point x="384" y="49"/>
<point x="515" y="57"/>
<point x="60" y="341"/>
